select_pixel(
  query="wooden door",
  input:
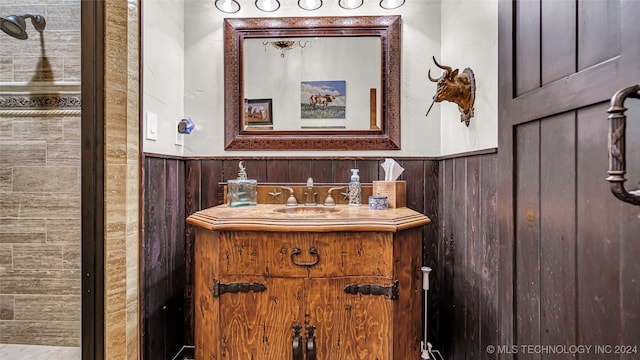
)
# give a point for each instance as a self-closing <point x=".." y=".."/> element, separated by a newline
<point x="258" y="325"/>
<point x="569" y="250"/>
<point x="349" y="326"/>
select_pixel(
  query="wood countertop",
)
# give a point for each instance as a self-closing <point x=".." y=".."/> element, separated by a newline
<point x="281" y="218"/>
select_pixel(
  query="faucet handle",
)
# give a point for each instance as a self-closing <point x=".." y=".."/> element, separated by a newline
<point x="291" y="201"/>
<point x="329" y="201"/>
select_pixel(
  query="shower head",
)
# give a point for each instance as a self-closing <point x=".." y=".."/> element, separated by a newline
<point x="15" y="26"/>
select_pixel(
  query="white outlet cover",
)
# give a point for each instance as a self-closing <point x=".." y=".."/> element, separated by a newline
<point x="152" y="126"/>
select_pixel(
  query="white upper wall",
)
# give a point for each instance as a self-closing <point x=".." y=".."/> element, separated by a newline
<point x="183" y="77"/>
<point x="470" y="39"/>
<point x="163" y="71"/>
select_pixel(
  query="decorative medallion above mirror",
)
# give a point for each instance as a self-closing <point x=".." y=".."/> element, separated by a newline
<point x="312" y="83"/>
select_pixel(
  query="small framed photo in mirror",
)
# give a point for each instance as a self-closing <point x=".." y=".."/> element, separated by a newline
<point x="258" y="113"/>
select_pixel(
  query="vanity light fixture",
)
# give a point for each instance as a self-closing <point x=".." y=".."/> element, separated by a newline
<point x="310" y="4"/>
<point x="227" y="6"/>
<point x="268" y="5"/>
<point x="350" y="4"/>
<point x="232" y="6"/>
<point x="391" y="4"/>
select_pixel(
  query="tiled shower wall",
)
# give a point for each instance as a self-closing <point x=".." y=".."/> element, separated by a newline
<point x="40" y="230"/>
<point x="53" y="57"/>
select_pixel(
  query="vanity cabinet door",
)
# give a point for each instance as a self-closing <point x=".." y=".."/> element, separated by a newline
<point x="258" y="325"/>
<point x="349" y="326"/>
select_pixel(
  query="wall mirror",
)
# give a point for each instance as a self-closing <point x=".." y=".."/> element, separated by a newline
<point x="312" y="83"/>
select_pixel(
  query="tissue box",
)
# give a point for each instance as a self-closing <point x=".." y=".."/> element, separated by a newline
<point x="395" y="191"/>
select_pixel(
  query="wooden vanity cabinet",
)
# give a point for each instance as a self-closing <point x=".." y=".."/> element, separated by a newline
<point x="360" y="290"/>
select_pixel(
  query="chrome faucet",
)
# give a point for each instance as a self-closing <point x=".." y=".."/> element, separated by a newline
<point x="311" y="196"/>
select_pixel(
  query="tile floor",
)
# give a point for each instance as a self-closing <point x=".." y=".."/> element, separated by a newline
<point x="36" y="352"/>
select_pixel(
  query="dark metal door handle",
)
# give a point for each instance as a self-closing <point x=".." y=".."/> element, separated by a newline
<point x="311" y="343"/>
<point x="296" y="342"/>
<point x="312" y="251"/>
<point x="617" y="125"/>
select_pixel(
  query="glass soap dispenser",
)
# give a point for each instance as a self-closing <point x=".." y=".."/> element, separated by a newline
<point x="242" y="191"/>
<point x="355" y="189"/>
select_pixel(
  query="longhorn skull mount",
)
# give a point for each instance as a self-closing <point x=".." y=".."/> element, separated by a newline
<point x="455" y="87"/>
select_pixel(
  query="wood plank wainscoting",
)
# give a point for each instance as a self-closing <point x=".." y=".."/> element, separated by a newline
<point x="460" y="245"/>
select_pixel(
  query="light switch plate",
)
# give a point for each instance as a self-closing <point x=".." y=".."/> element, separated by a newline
<point x="152" y="126"/>
<point x="179" y="137"/>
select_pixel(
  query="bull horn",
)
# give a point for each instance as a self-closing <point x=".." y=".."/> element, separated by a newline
<point x="430" y="78"/>
<point x="445" y="68"/>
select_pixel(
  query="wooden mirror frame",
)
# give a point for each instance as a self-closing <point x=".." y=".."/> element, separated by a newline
<point x="389" y="28"/>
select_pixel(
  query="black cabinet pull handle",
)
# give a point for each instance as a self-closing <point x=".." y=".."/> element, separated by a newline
<point x="311" y="343"/>
<point x="312" y="251"/>
<point x="617" y="125"/>
<point x="296" y="342"/>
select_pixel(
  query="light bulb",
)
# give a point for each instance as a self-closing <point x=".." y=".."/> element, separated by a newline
<point x="391" y="4"/>
<point x="350" y="4"/>
<point x="310" y="4"/>
<point x="228" y="6"/>
<point x="268" y="5"/>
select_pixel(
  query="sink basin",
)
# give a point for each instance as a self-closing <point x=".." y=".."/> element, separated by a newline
<point x="306" y="210"/>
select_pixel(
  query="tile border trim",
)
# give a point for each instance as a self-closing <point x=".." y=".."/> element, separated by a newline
<point x="40" y="99"/>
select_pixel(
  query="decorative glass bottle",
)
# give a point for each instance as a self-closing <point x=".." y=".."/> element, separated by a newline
<point x="355" y="189"/>
<point x="242" y="191"/>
